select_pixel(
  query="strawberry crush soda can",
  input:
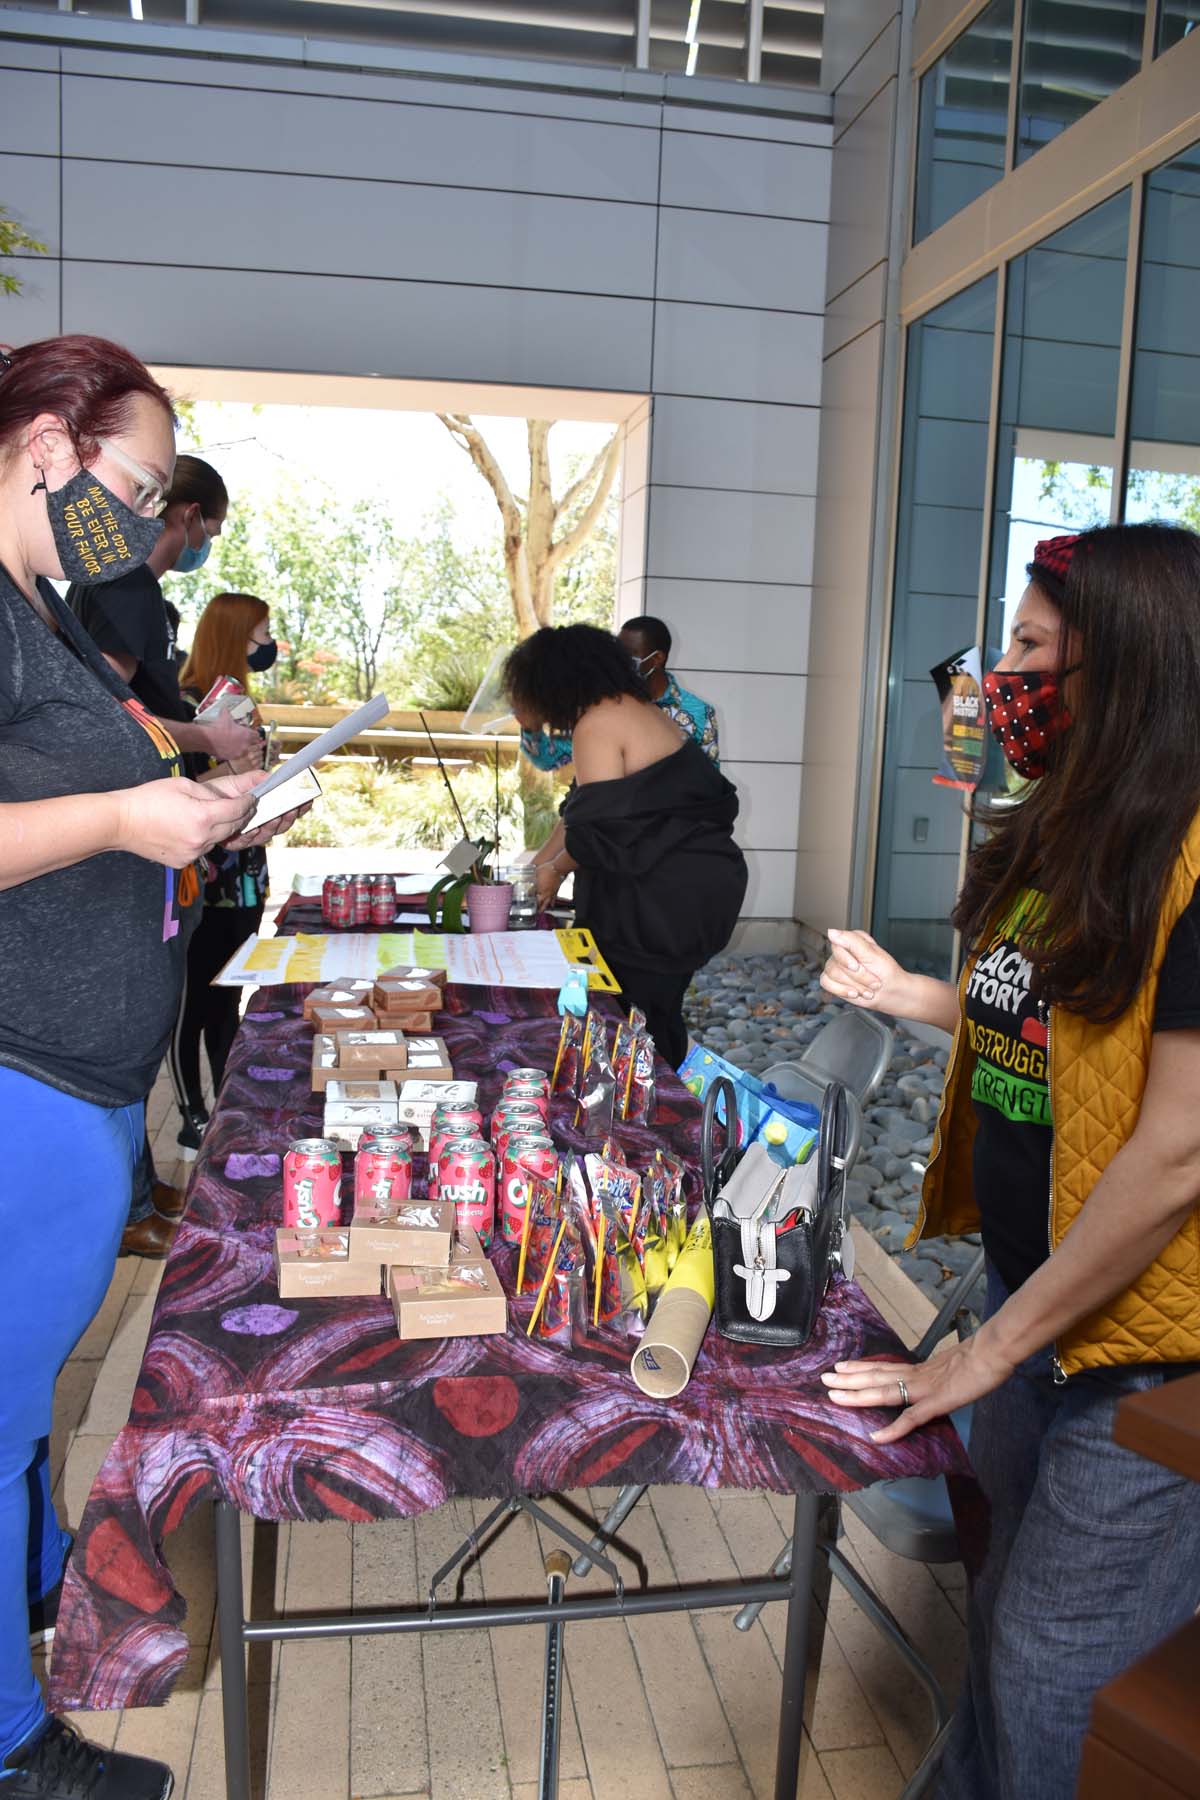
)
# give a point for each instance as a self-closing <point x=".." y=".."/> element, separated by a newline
<point x="511" y="1114"/>
<point x="523" y="1160"/>
<point x="467" y="1179"/>
<point x="312" y="1184"/>
<point x="382" y="1168"/>
<point x="537" y="1092"/>
<point x="442" y="1138"/>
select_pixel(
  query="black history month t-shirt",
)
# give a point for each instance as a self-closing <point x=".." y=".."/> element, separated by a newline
<point x="1008" y="1029"/>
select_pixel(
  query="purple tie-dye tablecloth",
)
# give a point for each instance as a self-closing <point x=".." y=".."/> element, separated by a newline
<point x="314" y="1409"/>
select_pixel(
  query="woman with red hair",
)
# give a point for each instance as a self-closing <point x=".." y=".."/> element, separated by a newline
<point x="99" y="836"/>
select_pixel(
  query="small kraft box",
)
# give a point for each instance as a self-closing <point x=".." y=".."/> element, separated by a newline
<point x="408" y="1022"/>
<point x="372" y="1052"/>
<point x="406" y="995"/>
<point x="464" y="1300"/>
<point x="341" y="1018"/>
<point x="402" y="1232"/>
<point x="428" y="1059"/>
<point x="317" y="1264"/>
<point x="324" y="1061"/>
<point x="338" y="993"/>
<point x="410" y="972"/>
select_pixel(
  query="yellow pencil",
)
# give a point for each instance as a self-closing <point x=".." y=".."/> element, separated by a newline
<point x="599" y="1270"/>
<point x="546" y="1278"/>
<point x="525" y="1237"/>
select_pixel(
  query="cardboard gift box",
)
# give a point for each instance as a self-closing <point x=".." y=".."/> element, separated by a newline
<point x="341" y="1018"/>
<point x="463" y="1300"/>
<point x="419" y="1100"/>
<point x="406" y="994"/>
<point x="402" y="1233"/>
<point x="338" y="993"/>
<point x="324" y="1061"/>
<point x="372" y="1052"/>
<point x="377" y="1089"/>
<point x="317" y="1264"/>
<point x="409" y="972"/>
<point x="347" y="1119"/>
<point x="409" y="1022"/>
<point x="428" y="1059"/>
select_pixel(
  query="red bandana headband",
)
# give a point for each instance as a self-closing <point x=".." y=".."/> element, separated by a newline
<point x="1055" y="555"/>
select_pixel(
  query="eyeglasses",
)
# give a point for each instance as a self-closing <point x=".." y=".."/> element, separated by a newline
<point x="148" y="495"/>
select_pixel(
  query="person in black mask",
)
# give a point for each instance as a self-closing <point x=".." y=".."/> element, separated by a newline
<point x="99" y="836"/>
<point x="233" y="637"/>
<point x="129" y="623"/>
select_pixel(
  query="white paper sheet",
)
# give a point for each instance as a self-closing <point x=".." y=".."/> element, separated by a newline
<point x="532" y="959"/>
<point x="369" y="713"/>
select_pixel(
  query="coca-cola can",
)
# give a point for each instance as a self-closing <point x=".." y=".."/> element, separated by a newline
<point x="523" y="1160"/>
<point x="312" y="1184"/>
<point x="467" y="1176"/>
<point x="382" y="1169"/>
<point x="383" y="900"/>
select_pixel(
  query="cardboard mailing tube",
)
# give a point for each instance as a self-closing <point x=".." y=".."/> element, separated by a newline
<point x="662" y="1362"/>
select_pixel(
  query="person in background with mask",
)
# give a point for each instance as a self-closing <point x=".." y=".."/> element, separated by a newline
<point x="1069" y="1134"/>
<point x="99" y="835"/>
<point x="649" y="643"/>
<point x="233" y="637"/>
<point x="129" y="623"/>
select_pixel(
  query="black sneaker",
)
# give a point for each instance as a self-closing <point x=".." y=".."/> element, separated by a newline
<point x="195" y="1120"/>
<point x="57" y="1764"/>
<point x="43" y="1613"/>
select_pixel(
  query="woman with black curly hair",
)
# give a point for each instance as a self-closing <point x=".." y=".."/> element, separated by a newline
<point x="648" y="826"/>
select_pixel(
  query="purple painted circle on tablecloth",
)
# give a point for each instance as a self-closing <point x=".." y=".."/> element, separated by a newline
<point x="496" y="1019"/>
<point x="261" y="1072"/>
<point x="258" y="1321"/>
<point x="244" y="1166"/>
<point x="264" y="1018"/>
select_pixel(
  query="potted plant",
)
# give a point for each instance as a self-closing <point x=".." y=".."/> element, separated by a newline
<point x="486" y="898"/>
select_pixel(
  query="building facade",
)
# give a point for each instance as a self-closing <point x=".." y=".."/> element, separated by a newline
<point x="871" y="325"/>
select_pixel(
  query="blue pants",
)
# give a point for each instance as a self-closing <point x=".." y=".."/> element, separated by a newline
<point x="68" y="1169"/>
<point x="1094" y="1558"/>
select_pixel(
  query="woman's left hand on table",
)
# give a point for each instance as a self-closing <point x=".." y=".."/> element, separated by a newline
<point x="950" y="1379"/>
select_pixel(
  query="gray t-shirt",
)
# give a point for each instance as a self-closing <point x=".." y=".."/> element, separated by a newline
<point x="91" y="956"/>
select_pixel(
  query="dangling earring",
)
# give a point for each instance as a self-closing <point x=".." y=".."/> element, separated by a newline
<point x="39" y="486"/>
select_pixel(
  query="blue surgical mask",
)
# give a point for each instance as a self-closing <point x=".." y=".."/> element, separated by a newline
<point x="546" y="751"/>
<point x="189" y="560"/>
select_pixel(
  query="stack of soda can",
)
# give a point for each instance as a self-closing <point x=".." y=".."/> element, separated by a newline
<point x="383" y="1166"/>
<point x="462" y="1169"/>
<point x="349" y="901"/>
<point x="522" y="1145"/>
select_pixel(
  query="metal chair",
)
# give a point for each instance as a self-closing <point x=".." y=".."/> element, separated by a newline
<point x="854" y="1048"/>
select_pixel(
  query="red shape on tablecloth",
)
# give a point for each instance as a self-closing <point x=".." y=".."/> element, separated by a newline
<point x="477" y="1405"/>
<point x="114" y="1565"/>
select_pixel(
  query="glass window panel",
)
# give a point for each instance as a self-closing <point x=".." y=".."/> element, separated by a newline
<point x="1164" y="420"/>
<point x="963" y="119"/>
<point x="940" y="525"/>
<point x="1175" y="20"/>
<point x="1058" y="396"/>
<point x="1075" y="53"/>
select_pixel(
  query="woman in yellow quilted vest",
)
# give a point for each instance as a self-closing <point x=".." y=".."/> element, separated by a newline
<point x="1069" y="1136"/>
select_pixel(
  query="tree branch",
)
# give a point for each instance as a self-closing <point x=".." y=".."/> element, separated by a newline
<point x="584" y="481"/>
<point x="585" y="524"/>
<point x="463" y="430"/>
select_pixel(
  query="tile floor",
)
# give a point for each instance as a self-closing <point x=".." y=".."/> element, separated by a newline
<point x="665" y="1708"/>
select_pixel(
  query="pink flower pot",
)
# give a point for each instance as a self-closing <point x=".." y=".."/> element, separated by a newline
<point x="488" y="906"/>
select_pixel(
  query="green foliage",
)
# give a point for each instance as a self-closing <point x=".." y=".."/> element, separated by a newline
<point x="15" y="241"/>
<point x="372" y="802"/>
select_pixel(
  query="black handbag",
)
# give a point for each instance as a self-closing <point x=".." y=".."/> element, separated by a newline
<point x="777" y="1233"/>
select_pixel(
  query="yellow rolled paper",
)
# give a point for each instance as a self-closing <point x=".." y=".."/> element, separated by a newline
<point x="662" y="1363"/>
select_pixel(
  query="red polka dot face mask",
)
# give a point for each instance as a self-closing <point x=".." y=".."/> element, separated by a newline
<point x="1024" y="713"/>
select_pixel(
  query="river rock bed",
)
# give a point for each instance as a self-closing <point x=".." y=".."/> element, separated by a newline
<point x="761" y="1009"/>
